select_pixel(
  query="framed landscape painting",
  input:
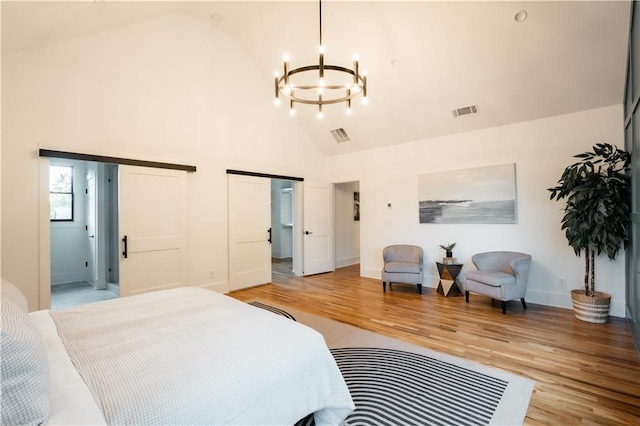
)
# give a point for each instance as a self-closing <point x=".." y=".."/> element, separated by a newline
<point x="477" y="195"/>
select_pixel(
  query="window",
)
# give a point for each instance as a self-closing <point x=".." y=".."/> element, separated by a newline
<point x="61" y="193"/>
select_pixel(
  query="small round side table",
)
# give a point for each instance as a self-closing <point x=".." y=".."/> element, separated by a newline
<point x="449" y="284"/>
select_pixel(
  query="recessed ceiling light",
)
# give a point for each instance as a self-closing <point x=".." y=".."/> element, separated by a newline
<point x="395" y="62"/>
<point x="521" y="16"/>
<point x="217" y="18"/>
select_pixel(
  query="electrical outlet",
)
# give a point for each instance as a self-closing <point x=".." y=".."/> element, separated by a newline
<point x="212" y="274"/>
<point x="562" y="282"/>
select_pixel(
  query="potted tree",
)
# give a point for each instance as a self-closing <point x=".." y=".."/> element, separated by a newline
<point x="598" y="193"/>
<point x="448" y="251"/>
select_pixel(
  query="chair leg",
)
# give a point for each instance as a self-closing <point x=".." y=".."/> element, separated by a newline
<point x="466" y="296"/>
<point x="504" y="307"/>
<point x="524" y="304"/>
<point x="420" y="288"/>
<point x="384" y="287"/>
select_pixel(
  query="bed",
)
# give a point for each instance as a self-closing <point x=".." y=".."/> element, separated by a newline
<point x="179" y="356"/>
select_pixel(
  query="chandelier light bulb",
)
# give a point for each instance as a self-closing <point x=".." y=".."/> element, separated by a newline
<point x="276" y="101"/>
<point x="276" y="74"/>
<point x="285" y="57"/>
<point x="321" y="49"/>
<point x="356" y="57"/>
<point x="349" y="111"/>
<point x="292" y="112"/>
<point x="320" y="115"/>
<point x="365" y="101"/>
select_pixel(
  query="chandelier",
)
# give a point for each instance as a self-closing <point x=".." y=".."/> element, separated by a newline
<point x="312" y="88"/>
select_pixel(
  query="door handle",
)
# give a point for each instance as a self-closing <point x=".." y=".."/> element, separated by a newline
<point x="124" y="247"/>
<point x="308" y="232"/>
<point x="269" y="235"/>
<point x="92" y="236"/>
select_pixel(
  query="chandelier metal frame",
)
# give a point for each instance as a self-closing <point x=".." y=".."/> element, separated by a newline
<point x="285" y="87"/>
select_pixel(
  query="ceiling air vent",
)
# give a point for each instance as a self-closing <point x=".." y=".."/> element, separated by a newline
<point x="469" y="110"/>
<point x="340" y="135"/>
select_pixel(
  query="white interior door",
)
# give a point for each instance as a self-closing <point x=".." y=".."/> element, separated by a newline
<point x="249" y="231"/>
<point x="91" y="217"/>
<point x="319" y="250"/>
<point x="152" y="214"/>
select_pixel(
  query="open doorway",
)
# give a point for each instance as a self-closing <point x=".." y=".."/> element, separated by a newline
<point x="347" y="223"/>
<point x="282" y="219"/>
<point x="84" y="232"/>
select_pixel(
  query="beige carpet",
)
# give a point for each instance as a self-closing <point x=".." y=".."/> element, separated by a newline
<point x="512" y="407"/>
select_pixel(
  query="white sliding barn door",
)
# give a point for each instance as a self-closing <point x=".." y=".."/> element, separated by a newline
<point x="319" y="250"/>
<point x="249" y="231"/>
<point x="153" y="222"/>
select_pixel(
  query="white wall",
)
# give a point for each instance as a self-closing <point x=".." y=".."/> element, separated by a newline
<point x="347" y="229"/>
<point x="172" y="89"/>
<point x="540" y="149"/>
<point x="69" y="246"/>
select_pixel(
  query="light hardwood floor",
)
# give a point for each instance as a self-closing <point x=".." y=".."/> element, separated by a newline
<point x="585" y="373"/>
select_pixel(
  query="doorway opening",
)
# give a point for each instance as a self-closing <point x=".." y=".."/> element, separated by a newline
<point x="347" y="223"/>
<point x="252" y="227"/>
<point x="282" y="220"/>
<point x="83" y="213"/>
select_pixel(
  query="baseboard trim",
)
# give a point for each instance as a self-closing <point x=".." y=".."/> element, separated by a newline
<point x="563" y="300"/>
<point x="219" y="287"/>
<point x="370" y="273"/>
<point x="70" y="277"/>
<point x="341" y="263"/>
<point x="546" y="298"/>
<point x="281" y="254"/>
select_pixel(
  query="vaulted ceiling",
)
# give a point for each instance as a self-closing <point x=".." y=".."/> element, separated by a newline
<point x="423" y="58"/>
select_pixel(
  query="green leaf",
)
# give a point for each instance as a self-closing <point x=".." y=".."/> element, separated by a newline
<point x="598" y="200"/>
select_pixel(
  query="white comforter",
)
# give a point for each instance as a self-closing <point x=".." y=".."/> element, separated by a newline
<point x="192" y="356"/>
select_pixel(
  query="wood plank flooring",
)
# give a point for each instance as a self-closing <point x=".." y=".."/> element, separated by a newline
<point x="585" y="373"/>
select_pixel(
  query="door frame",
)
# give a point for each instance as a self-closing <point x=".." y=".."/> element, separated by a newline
<point x="94" y="269"/>
<point x="298" y="182"/>
<point x="44" y="228"/>
<point x="44" y="224"/>
<point x="298" y="238"/>
<point x="335" y="185"/>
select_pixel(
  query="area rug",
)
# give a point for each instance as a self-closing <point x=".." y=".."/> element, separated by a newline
<point x="396" y="383"/>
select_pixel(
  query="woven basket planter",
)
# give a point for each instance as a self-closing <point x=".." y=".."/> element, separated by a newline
<point x="591" y="308"/>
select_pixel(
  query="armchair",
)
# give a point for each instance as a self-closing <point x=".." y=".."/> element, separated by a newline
<point x="501" y="275"/>
<point x="402" y="264"/>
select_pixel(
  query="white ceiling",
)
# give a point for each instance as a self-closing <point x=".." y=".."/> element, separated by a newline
<point x="566" y="57"/>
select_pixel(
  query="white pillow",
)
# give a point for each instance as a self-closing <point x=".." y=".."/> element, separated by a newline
<point x="24" y="369"/>
<point x="8" y="291"/>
